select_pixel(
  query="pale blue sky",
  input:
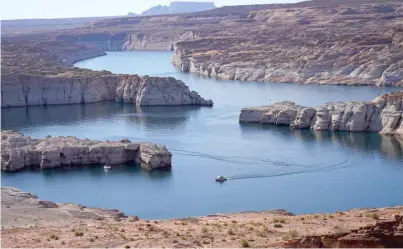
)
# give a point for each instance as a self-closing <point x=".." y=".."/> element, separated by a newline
<point x="22" y="9"/>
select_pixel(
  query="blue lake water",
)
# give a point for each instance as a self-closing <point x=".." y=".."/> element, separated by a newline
<point x="275" y="167"/>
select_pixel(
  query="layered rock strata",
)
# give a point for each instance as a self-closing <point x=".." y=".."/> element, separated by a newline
<point x="384" y="234"/>
<point x="29" y="90"/>
<point x="384" y="114"/>
<point x="20" y="152"/>
<point x="349" y="44"/>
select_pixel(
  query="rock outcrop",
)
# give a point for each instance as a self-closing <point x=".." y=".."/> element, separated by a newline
<point x="384" y="114"/>
<point x="322" y="42"/>
<point x="39" y="74"/>
<point x="345" y="44"/>
<point x="23" y="209"/>
<point x="384" y="234"/>
<point x="179" y="7"/>
<point x="29" y="90"/>
<point x="20" y="152"/>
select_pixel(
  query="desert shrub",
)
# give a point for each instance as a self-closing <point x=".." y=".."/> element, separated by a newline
<point x="244" y="243"/>
<point x="293" y="234"/>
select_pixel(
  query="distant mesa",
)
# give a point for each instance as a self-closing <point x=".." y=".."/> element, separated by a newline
<point x="178" y="7"/>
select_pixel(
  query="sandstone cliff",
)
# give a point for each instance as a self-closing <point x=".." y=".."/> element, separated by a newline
<point x="384" y="115"/>
<point x="384" y="234"/>
<point x="20" y="152"/>
<point x="350" y="45"/>
<point x="179" y="7"/>
<point x="38" y="74"/>
<point x="28" y="90"/>
<point x="323" y="42"/>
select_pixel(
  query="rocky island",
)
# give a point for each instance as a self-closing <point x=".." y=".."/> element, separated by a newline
<point x="384" y="114"/>
<point x="28" y="221"/>
<point x="21" y="152"/>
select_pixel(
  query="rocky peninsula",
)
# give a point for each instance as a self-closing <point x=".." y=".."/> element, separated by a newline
<point x="28" y="221"/>
<point x="39" y="74"/>
<point x="20" y="152"/>
<point x="384" y="114"/>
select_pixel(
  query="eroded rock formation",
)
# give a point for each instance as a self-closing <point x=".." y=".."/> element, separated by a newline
<point x="384" y="114"/>
<point x="384" y="234"/>
<point x="345" y="44"/>
<point x="179" y="7"/>
<point x="323" y="42"/>
<point x="19" y="152"/>
<point x="26" y="90"/>
<point x="39" y="74"/>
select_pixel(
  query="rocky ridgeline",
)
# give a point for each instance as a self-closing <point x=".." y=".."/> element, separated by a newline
<point x="348" y="43"/>
<point x="29" y="90"/>
<point x="384" y="114"/>
<point x="20" y="152"/>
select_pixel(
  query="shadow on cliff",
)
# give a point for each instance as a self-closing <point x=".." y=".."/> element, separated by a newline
<point x="362" y="143"/>
<point x="167" y="116"/>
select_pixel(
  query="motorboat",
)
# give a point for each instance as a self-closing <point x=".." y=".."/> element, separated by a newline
<point x="107" y="166"/>
<point x="220" y="179"/>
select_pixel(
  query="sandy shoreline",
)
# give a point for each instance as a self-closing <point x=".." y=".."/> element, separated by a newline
<point x="28" y="221"/>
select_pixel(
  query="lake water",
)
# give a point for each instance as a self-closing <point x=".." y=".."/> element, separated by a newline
<point x="274" y="167"/>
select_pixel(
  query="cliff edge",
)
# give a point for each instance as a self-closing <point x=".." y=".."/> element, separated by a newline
<point x="384" y="114"/>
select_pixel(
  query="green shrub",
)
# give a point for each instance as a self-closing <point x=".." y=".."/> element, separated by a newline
<point x="277" y="225"/>
<point x="244" y="243"/>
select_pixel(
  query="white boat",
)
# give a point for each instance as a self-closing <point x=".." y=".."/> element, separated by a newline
<point x="220" y="179"/>
<point x="107" y="166"/>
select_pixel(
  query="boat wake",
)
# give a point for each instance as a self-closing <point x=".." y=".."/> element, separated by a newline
<point x="262" y="173"/>
<point x="237" y="159"/>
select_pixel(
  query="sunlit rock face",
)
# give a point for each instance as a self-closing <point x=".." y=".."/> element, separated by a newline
<point x="21" y="152"/>
<point x="384" y="114"/>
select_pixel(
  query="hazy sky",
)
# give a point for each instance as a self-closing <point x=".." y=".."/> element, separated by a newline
<point x="21" y="9"/>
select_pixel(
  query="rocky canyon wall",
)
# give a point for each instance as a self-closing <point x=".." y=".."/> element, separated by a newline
<point x="29" y="90"/>
<point x="129" y="41"/>
<point x="384" y="115"/>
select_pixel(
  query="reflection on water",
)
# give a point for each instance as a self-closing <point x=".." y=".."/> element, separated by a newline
<point x="166" y="116"/>
<point x="363" y="143"/>
<point x="96" y="171"/>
